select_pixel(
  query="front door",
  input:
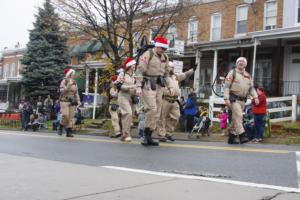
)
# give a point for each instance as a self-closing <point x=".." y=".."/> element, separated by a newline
<point x="292" y="75"/>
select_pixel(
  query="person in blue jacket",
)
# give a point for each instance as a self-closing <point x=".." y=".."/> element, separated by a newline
<point x="190" y="111"/>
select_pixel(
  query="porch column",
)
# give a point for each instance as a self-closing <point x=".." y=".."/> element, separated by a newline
<point x="197" y="73"/>
<point x="7" y="94"/>
<point x="87" y="78"/>
<point x="254" y="59"/>
<point x="215" y="70"/>
<point x="95" y="94"/>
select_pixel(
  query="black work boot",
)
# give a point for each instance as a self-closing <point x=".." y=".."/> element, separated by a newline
<point x="148" y="141"/>
<point x="151" y="141"/>
<point x="60" y="129"/>
<point x="69" y="132"/>
<point x="233" y="139"/>
<point x="169" y="137"/>
<point x="243" y="138"/>
<point x="146" y="136"/>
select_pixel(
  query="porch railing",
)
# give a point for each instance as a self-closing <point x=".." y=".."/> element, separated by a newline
<point x="280" y="108"/>
<point x="285" y="88"/>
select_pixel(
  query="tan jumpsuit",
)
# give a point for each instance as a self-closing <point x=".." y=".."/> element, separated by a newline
<point x="157" y="66"/>
<point x="241" y="86"/>
<point x="114" y="114"/>
<point x="68" y="88"/>
<point x="128" y="89"/>
<point x="170" y="108"/>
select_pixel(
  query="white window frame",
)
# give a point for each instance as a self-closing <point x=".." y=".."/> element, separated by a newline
<point x="265" y="14"/>
<point x="192" y="39"/>
<point x="236" y="19"/>
<point x="212" y="26"/>
<point x="172" y="35"/>
<point x="6" y="71"/>
<point x="12" y="71"/>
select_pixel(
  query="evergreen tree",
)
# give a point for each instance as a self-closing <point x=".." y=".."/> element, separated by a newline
<point x="46" y="55"/>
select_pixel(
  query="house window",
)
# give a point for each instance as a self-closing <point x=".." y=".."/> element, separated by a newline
<point x="6" y="70"/>
<point x="241" y="19"/>
<point x="172" y="35"/>
<point x="153" y="32"/>
<point x="193" y="30"/>
<point x="12" y="69"/>
<point x="298" y="20"/>
<point x="270" y="15"/>
<point x="215" y="33"/>
<point x="136" y="40"/>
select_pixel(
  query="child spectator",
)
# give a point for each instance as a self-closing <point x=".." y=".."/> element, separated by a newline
<point x="141" y="125"/>
<point x="223" y="120"/>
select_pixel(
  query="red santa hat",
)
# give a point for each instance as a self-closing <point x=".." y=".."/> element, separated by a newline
<point x="114" y="78"/>
<point x="161" y="42"/>
<point x="243" y="59"/>
<point x="69" y="72"/>
<point x="128" y="63"/>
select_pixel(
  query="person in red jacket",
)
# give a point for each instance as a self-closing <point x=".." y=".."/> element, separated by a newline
<point x="259" y="113"/>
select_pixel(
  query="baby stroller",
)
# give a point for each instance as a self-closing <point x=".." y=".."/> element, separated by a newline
<point x="248" y="122"/>
<point x="201" y="126"/>
<point x="79" y="120"/>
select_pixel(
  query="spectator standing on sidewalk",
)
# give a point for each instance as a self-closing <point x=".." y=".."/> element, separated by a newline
<point x="259" y="113"/>
<point x="190" y="111"/>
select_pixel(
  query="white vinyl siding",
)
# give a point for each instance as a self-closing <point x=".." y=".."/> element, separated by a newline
<point x="6" y="71"/>
<point x="241" y="19"/>
<point x="12" y="70"/>
<point x="270" y="15"/>
<point x="215" y="32"/>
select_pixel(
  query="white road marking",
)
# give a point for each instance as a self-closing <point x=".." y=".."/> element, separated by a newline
<point x="298" y="167"/>
<point x="249" y="184"/>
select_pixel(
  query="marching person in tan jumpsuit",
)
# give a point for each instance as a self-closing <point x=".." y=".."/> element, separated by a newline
<point x="170" y="111"/>
<point x="114" y="108"/>
<point x="127" y="98"/>
<point x="238" y="85"/>
<point x="69" y="100"/>
<point x="152" y="71"/>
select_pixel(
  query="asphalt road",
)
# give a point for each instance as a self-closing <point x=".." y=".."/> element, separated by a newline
<point x="255" y="163"/>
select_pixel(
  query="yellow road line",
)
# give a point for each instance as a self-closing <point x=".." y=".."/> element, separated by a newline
<point x="166" y="145"/>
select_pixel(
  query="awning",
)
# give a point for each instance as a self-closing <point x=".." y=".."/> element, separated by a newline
<point x="87" y="47"/>
<point x="280" y="33"/>
<point x="75" y="51"/>
<point x="240" y="42"/>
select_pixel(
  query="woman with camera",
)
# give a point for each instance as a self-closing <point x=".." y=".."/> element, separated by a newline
<point x="69" y="100"/>
<point x="127" y="97"/>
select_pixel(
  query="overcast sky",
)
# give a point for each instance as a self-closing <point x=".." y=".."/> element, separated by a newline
<point x="16" y="18"/>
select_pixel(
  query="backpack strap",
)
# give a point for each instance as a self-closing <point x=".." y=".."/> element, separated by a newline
<point x="233" y="77"/>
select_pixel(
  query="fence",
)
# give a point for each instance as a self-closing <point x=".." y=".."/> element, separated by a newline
<point x="276" y="114"/>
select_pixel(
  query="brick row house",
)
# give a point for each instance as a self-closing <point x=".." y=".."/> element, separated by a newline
<point x="10" y="87"/>
<point x="266" y="32"/>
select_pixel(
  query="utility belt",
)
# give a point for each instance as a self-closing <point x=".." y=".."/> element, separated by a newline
<point x="153" y="80"/>
<point x="170" y="99"/>
<point x="71" y="99"/>
<point x="233" y="98"/>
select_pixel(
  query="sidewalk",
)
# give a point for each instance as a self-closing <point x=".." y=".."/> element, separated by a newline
<point x="31" y="178"/>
